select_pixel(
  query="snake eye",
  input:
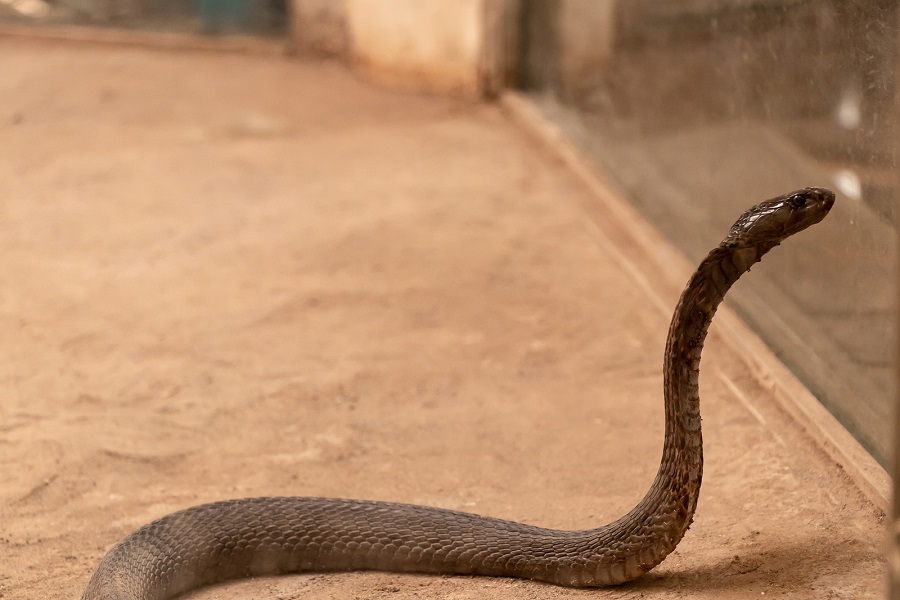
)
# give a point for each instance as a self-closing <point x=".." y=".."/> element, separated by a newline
<point x="797" y="201"/>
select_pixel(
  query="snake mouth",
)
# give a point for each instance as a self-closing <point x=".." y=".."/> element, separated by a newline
<point x="812" y="204"/>
<point x="820" y="196"/>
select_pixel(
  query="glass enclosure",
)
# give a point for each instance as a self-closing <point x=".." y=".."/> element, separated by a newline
<point x="261" y="17"/>
<point x="700" y="108"/>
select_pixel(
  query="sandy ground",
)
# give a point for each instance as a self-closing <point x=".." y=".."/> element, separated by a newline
<point x="232" y="276"/>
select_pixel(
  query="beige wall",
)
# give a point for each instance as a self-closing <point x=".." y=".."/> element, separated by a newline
<point x="462" y="47"/>
<point x="424" y="44"/>
<point x="588" y="28"/>
<point x="319" y="27"/>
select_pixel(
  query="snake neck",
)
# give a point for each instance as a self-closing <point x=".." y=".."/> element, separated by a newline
<point x="672" y="499"/>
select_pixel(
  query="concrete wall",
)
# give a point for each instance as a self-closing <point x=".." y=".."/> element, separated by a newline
<point x="319" y="27"/>
<point x="425" y="44"/>
<point x="463" y="47"/>
<point x="588" y="30"/>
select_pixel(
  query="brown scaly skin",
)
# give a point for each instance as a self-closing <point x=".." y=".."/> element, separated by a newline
<point x="264" y="536"/>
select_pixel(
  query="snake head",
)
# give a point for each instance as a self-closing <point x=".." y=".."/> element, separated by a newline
<point x="774" y="220"/>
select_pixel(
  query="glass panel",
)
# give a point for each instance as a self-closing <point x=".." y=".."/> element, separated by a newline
<point x="266" y="17"/>
<point x="700" y="108"/>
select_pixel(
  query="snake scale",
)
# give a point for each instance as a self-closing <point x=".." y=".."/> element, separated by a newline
<point x="265" y="536"/>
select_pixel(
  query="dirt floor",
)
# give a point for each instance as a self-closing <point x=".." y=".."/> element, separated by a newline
<point x="231" y="275"/>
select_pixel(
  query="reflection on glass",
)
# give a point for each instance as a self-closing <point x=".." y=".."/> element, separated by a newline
<point x="699" y="108"/>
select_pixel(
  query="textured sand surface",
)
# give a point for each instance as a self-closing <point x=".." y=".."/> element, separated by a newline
<point x="230" y="276"/>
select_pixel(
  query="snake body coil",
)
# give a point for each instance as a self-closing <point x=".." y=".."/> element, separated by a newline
<point x="265" y="536"/>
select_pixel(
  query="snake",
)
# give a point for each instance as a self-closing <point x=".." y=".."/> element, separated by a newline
<point x="250" y="537"/>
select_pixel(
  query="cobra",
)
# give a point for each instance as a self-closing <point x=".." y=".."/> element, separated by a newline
<point x="266" y="536"/>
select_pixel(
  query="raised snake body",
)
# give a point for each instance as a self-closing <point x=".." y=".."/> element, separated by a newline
<point x="265" y="536"/>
